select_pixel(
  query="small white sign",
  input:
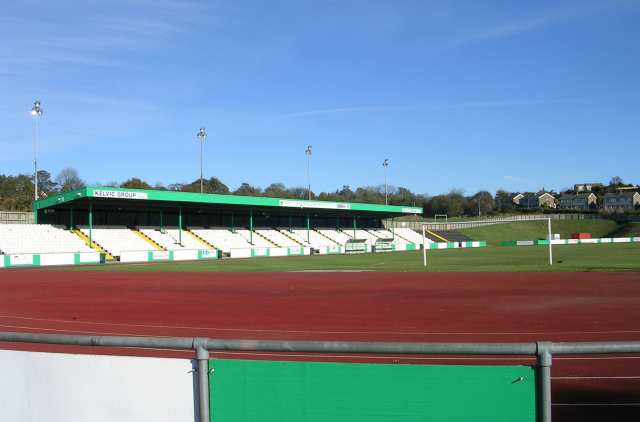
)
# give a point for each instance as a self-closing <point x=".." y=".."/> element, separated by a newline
<point x="25" y="259"/>
<point x="118" y="194"/>
<point x="311" y="204"/>
<point x="160" y="255"/>
<point x="205" y="253"/>
<point x="412" y="210"/>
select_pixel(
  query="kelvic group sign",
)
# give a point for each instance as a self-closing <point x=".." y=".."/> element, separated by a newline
<point x="116" y="194"/>
<point x="310" y="204"/>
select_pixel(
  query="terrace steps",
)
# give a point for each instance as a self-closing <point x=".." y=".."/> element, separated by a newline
<point x="93" y="244"/>
<point x="149" y="240"/>
<point x="205" y="243"/>
<point x="326" y="237"/>
<point x="265" y="238"/>
<point x="287" y="234"/>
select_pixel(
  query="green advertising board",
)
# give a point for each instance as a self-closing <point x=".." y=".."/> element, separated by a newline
<point x="246" y="390"/>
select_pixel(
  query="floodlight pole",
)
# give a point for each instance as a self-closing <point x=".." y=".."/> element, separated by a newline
<point x="36" y="112"/>
<point x="202" y="135"/>
<point x="424" y="247"/>
<point x="550" y="243"/>
<point x="385" y="164"/>
<point x="308" y="152"/>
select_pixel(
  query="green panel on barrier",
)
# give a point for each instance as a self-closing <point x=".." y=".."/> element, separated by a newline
<point x="245" y="390"/>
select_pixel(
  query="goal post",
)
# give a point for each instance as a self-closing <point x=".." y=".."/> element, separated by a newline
<point x="463" y="224"/>
<point x="445" y="216"/>
<point x="424" y="246"/>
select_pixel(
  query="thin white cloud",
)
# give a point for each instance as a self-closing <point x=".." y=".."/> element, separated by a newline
<point x="110" y="102"/>
<point x="426" y="107"/>
<point x="513" y="28"/>
<point x="515" y="179"/>
<point x="53" y="57"/>
<point x="339" y="110"/>
<point x="100" y="39"/>
<point x="505" y="30"/>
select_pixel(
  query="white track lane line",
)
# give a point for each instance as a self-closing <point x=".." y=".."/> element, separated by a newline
<point x="403" y="357"/>
<point x="595" y="358"/>
<point x="598" y="378"/>
<point x="99" y="333"/>
<point x="424" y="333"/>
<point x="596" y="404"/>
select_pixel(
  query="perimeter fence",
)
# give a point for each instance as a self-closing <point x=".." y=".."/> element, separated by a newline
<point x="543" y="351"/>
<point x="467" y="224"/>
<point x="11" y="217"/>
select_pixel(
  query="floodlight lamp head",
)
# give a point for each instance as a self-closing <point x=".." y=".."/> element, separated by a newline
<point x="36" y="110"/>
<point x="202" y="134"/>
<point x="308" y="150"/>
<point x="385" y="162"/>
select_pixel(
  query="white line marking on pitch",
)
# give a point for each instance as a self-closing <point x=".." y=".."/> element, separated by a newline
<point x="319" y="331"/>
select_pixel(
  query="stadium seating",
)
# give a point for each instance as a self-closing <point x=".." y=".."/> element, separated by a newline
<point x="279" y="238"/>
<point x="339" y="237"/>
<point x="169" y="238"/>
<point x="38" y="238"/>
<point x="116" y="239"/>
<point x="386" y="234"/>
<point x="363" y="234"/>
<point x="223" y="239"/>
<point x="410" y="235"/>
<point x="381" y="233"/>
<point x="43" y="238"/>
<point x="258" y="240"/>
<point x="299" y="239"/>
<point x="316" y="239"/>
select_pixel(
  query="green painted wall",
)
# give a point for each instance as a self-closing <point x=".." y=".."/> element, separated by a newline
<point x="245" y="390"/>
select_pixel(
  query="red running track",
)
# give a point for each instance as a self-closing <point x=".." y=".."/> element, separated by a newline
<point x="501" y="307"/>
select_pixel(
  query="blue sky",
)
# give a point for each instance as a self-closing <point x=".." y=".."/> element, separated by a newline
<point x="457" y="94"/>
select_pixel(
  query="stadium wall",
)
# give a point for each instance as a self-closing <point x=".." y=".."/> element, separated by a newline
<point x="50" y="259"/>
<point x="570" y="241"/>
<point x="77" y="388"/>
<point x="457" y="245"/>
<point x="264" y="252"/>
<point x="176" y="255"/>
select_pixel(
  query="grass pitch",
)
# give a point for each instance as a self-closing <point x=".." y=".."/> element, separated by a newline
<point x="532" y="230"/>
<point x="600" y="257"/>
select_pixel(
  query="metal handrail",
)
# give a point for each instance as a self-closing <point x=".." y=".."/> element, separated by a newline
<point x="542" y="350"/>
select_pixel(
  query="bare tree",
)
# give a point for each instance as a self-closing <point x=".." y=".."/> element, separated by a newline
<point x="616" y="181"/>
<point x="68" y="179"/>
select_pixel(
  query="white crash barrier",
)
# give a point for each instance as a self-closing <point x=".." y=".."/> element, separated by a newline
<point x="50" y="259"/>
<point x="77" y="388"/>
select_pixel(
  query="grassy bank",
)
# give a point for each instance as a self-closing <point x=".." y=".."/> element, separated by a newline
<point x="532" y="230"/>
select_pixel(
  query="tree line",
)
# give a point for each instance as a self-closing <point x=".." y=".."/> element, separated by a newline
<point x="17" y="192"/>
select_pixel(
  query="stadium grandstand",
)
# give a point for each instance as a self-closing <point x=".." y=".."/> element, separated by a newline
<point x="117" y="222"/>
